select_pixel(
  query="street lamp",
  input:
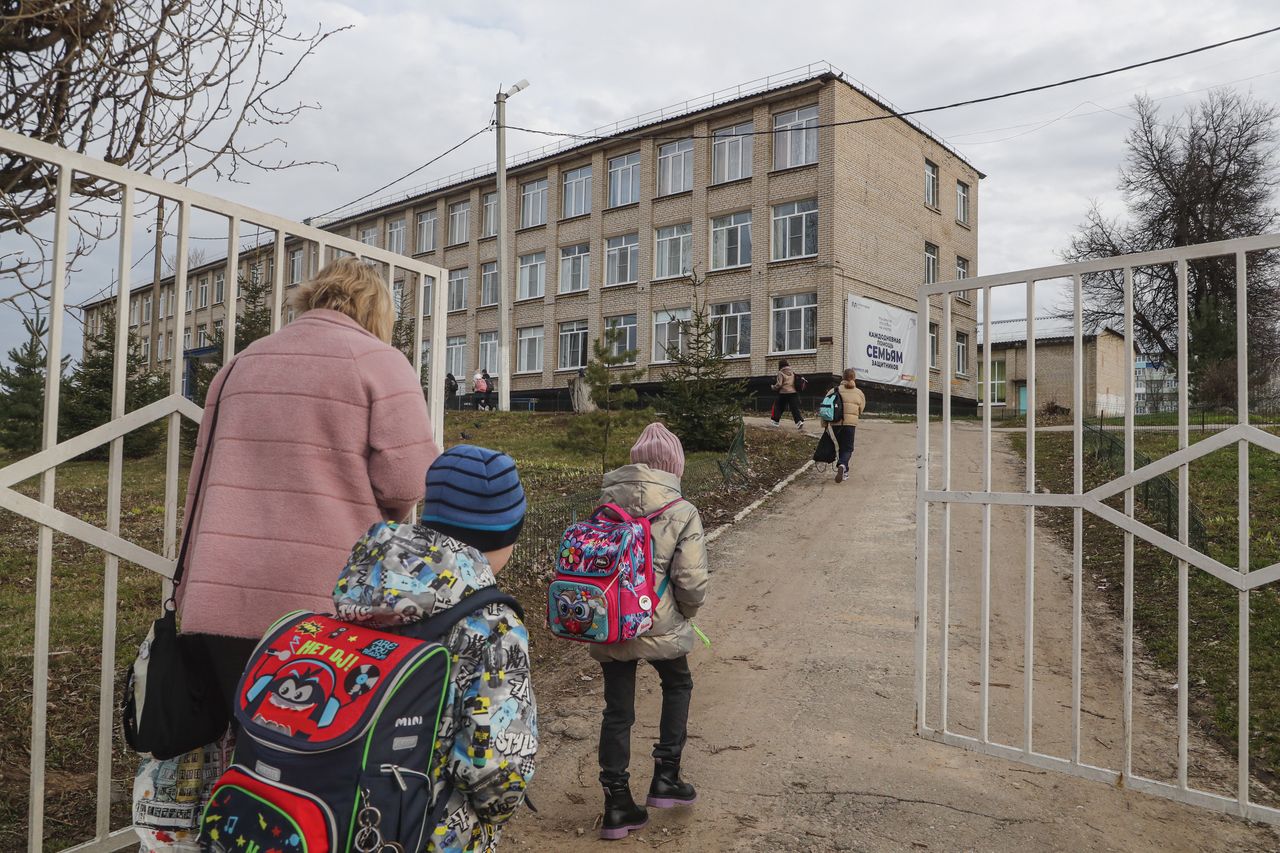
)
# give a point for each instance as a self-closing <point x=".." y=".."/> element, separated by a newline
<point x="504" y="285"/>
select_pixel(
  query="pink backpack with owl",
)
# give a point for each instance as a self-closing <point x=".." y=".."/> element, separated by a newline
<point x="603" y="590"/>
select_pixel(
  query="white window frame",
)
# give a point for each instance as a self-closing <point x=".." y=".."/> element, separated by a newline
<point x="203" y="290"/>
<point x="795" y="137"/>
<point x="428" y="283"/>
<point x="135" y="306"/>
<point x="295" y="271"/>
<point x="962" y="202"/>
<point x="931" y="261"/>
<point x="801" y="308"/>
<point x="533" y="203"/>
<point x="731" y="151"/>
<point x="732" y="322"/>
<point x="489" y="214"/>
<point x="988" y="386"/>
<point x="217" y="329"/>
<point x="186" y="338"/>
<point x="529" y="341"/>
<point x="628" y="341"/>
<point x="160" y="347"/>
<point x="397" y="296"/>
<point x="489" y="284"/>
<point x="787" y="218"/>
<point x="933" y="346"/>
<point x="730" y="236"/>
<point x="459" y="280"/>
<point x="673" y="251"/>
<point x="622" y="254"/>
<point x="665" y="318"/>
<point x="962" y="272"/>
<point x="190" y="303"/>
<point x="426" y="228"/>
<point x="369" y="235"/>
<point x="575" y="268"/>
<point x="962" y="353"/>
<point x="455" y="356"/>
<point x="572" y="342"/>
<point x="624" y="179"/>
<point x="931" y="185"/>
<point x="146" y="349"/>
<point x="675" y="167"/>
<point x="459" y="222"/>
<point x="395" y="236"/>
<point x="532" y="272"/>
<point x="219" y="288"/>
<point x="202" y="335"/>
<point x="575" y="192"/>
<point x="487" y="352"/>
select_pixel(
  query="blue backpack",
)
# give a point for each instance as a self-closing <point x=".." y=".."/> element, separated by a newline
<point x="831" y="410"/>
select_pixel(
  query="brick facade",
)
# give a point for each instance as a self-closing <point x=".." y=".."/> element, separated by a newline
<point x="872" y="225"/>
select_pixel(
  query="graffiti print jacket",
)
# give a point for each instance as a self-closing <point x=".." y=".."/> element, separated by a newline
<point x="488" y="735"/>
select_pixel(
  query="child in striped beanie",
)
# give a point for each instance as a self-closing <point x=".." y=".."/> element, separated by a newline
<point x="399" y="574"/>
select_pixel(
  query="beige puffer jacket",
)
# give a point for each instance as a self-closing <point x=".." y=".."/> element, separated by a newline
<point x="785" y="381"/>
<point x="679" y="550"/>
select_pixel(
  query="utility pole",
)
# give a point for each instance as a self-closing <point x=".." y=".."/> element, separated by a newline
<point x="504" y="280"/>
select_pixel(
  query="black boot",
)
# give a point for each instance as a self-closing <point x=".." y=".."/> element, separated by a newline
<point x="666" y="790"/>
<point x="621" y="814"/>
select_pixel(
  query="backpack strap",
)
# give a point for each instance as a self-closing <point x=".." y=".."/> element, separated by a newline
<point x="618" y="511"/>
<point x="666" y="581"/>
<point x="437" y="626"/>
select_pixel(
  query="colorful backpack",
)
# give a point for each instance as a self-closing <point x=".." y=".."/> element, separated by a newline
<point x="338" y="727"/>
<point x="603" y="590"/>
<point x="831" y="409"/>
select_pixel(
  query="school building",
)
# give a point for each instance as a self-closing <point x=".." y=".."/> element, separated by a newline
<point x="788" y="195"/>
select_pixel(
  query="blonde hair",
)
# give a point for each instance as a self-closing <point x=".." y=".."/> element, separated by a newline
<point x="352" y="287"/>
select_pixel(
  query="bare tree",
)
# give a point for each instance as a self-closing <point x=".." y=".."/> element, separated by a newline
<point x="173" y="88"/>
<point x="1210" y="175"/>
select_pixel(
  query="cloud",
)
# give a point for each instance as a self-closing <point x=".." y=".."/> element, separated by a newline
<point x="410" y="79"/>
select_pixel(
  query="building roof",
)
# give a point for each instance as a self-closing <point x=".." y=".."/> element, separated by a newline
<point x="684" y="110"/>
<point x="1056" y="327"/>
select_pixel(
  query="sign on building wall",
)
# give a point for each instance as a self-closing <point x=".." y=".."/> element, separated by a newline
<point x="880" y="341"/>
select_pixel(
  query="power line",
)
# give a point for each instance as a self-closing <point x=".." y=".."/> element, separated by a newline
<point x="895" y="114"/>
<point x="407" y="174"/>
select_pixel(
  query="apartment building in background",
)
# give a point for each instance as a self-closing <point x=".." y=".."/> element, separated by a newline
<point x="786" y="197"/>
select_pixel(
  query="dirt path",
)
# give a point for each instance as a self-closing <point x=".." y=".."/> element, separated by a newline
<point x="801" y="730"/>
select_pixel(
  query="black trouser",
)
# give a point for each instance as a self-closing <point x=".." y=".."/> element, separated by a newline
<point x="785" y="401"/>
<point x="229" y="656"/>
<point x="844" y="437"/>
<point x="620" y="714"/>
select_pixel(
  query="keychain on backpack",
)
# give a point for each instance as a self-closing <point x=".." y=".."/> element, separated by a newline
<point x="369" y="836"/>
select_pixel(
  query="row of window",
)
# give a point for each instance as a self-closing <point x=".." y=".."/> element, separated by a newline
<point x="794" y="330"/>
<point x="164" y="342"/>
<point x="932" y="261"/>
<point x="140" y="307"/>
<point x="795" y="235"/>
<point x="795" y="135"/>
<point x="933" y="195"/>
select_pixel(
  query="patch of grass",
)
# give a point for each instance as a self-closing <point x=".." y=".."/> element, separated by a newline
<point x="1213" y="629"/>
<point x="559" y="480"/>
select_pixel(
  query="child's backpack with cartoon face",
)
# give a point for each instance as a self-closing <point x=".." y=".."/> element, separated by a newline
<point x="338" y="728"/>
<point x="603" y="590"/>
<point x="831" y="409"/>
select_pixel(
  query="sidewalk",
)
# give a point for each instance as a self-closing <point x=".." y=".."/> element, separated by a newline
<point x="801" y="732"/>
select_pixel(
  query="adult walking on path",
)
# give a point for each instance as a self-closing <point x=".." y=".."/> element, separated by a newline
<point x="322" y="431"/>
<point x="806" y="704"/>
<point x="787" y="384"/>
<point x="649" y="485"/>
<point x="853" y="401"/>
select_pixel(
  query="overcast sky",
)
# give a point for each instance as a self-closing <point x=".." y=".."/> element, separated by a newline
<point x="410" y="79"/>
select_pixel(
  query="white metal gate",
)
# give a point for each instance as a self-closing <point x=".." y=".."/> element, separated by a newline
<point x="173" y="408"/>
<point x="934" y="570"/>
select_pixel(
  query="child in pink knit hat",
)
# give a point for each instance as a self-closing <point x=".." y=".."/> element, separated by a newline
<point x="649" y="483"/>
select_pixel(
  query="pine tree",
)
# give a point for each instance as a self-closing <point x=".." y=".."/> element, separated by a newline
<point x="87" y="402"/>
<point x="22" y="390"/>
<point x="704" y="406"/>
<point x="252" y="323"/>
<point x="612" y="392"/>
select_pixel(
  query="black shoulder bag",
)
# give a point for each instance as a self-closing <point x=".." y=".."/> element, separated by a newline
<point x="172" y="703"/>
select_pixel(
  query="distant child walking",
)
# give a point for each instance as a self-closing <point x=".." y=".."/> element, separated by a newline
<point x="854" y="401"/>
<point x="649" y="483"/>
<point x="788" y="385"/>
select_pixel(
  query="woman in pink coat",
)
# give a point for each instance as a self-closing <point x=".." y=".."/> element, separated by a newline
<point x="322" y="432"/>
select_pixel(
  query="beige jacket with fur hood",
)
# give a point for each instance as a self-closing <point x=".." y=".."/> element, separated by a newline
<point x="679" y="551"/>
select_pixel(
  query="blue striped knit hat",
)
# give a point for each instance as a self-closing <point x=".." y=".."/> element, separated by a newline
<point x="474" y="495"/>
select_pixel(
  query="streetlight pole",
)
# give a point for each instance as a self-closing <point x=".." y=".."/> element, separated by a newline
<point x="504" y="279"/>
